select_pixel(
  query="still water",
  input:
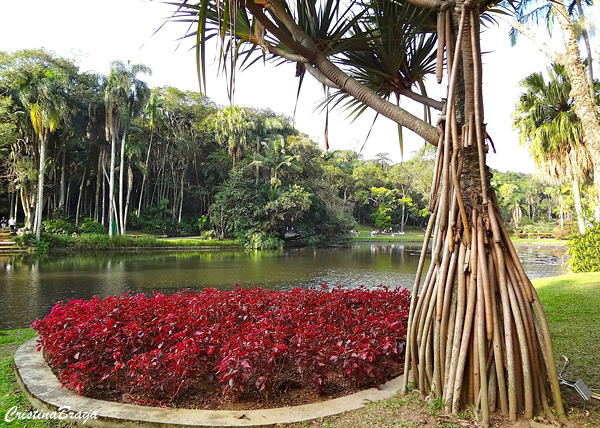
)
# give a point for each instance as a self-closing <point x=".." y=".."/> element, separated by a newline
<point x="31" y="284"/>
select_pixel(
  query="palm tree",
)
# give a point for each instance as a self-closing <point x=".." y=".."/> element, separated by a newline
<point x="454" y="330"/>
<point x="125" y="96"/>
<point x="383" y="160"/>
<point x="533" y="12"/>
<point x="46" y="98"/>
<point x="549" y="127"/>
<point x="275" y="159"/>
<point x="233" y="129"/>
<point x="582" y="87"/>
<point x="154" y="113"/>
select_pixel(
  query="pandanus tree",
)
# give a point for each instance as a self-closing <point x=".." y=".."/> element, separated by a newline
<point x="549" y="127"/>
<point x="477" y="333"/>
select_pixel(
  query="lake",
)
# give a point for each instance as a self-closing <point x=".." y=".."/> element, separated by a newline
<point x="31" y="284"/>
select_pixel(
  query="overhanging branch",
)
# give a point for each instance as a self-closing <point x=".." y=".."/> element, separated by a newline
<point x="527" y="32"/>
<point x="430" y="102"/>
<point x="304" y="45"/>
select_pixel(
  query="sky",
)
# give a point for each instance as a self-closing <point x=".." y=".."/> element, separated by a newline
<point x="96" y="33"/>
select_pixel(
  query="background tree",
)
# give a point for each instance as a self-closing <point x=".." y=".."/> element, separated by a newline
<point x="233" y="127"/>
<point x="549" y="127"/>
<point x="582" y="88"/>
<point x="126" y="97"/>
<point x="153" y="112"/>
<point x="43" y="85"/>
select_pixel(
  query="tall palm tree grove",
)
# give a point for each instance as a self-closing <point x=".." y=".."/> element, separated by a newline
<point x="125" y="97"/>
<point x="477" y="333"/>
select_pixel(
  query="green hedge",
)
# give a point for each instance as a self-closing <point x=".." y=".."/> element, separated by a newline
<point x="585" y="251"/>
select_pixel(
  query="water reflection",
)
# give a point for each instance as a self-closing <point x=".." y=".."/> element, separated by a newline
<point x="30" y="285"/>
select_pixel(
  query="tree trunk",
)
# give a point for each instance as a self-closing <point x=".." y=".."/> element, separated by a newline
<point x="578" y="206"/>
<point x="68" y="201"/>
<point x="585" y="108"/>
<point x="121" y="216"/>
<point x="79" y="198"/>
<point x="40" y="197"/>
<point x="12" y="196"/>
<point x="181" y="196"/>
<point x="562" y="212"/>
<point x="61" y="201"/>
<point x="111" y="183"/>
<point x="516" y="214"/>
<point x="144" y="174"/>
<point x="474" y="323"/>
<point x="15" y="206"/>
<point x="597" y="187"/>
<point x="99" y="179"/>
<point x="128" y="197"/>
<point x="103" y="196"/>
<point x="26" y="204"/>
<point x="402" y="221"/>
<point x="588" y="48"/>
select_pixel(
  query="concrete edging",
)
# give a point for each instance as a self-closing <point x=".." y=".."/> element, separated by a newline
<point x="45" y="393"/>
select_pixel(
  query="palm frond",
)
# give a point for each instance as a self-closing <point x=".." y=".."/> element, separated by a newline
<point x="549" y="127"/>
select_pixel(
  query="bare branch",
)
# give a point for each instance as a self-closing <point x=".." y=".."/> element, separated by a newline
<point x="285" y="54"/>
<point x="321" y="78"/>
<point x="430" y="102"/>
<point x="527" y="32"/>
<point x="427" y="4"/>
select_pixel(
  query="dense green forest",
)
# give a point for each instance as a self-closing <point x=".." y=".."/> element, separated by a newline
<point x="176" y="163"/>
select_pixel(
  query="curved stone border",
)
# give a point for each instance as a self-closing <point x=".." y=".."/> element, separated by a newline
<point x="45" y="394"/>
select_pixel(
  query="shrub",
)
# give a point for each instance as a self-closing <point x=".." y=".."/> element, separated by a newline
<point x="47" y="241"/>
<point x="154" y="225"/>
<point x="89" y="226"/>
<point x="260" y="240"/>
<point x="208" y="234"/>
<point x="25" y="240"/>
<point x="57" y="227"/>
<point x="118" y="241"/>
<point x="157" y="348"/>
<point x="585" y="250"/>
<point x="570" y="228"/>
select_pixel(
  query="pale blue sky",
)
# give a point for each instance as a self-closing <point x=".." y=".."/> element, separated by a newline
<point x="95" y="33"/>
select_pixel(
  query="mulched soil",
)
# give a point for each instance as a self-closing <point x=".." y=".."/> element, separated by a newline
<point x="209" y="395"/>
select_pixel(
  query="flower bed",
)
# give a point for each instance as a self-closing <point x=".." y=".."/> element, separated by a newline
<point x="163" y="348"/>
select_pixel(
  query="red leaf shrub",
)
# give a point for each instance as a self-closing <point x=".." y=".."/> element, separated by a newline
<point x="245" y="339"/>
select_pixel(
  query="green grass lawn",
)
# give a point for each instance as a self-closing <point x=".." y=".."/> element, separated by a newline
<point x="572" y="304"/>
<point x="10" y="392"/>
<point x="541" y="242"/>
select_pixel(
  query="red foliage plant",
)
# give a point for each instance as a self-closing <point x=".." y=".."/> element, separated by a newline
<point x="163" y="346"/>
